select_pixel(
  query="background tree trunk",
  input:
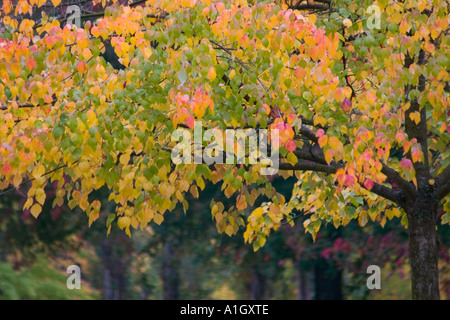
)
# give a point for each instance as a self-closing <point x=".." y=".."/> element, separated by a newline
<point x="170" y="273"/>
<point x="305" y="280"/>
<point x="328" y="282"/>
<point x="107" y="281"/>
<point x="258" y="286"/>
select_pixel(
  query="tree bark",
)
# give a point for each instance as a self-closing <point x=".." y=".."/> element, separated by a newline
<point x="169" y="273"/>
<point x="258" y="286"/>
<point x="423" y="247"/>
<point x="302" y="284"/>
<point x="328" y="282"/>
<point x="106" y="259"/>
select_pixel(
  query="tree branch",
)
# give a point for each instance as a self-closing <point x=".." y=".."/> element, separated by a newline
<point x="442" y="184"/>
<point x="308" y="6"/>
<point x="30" y="180"/>
<point x="405" y="185"/>
<point x="387" y="193"/>
<point x="442" y="191"/>
<point x="443" y="177"/>
<point x="309" y="166"/>
<point x="309" y="156"/>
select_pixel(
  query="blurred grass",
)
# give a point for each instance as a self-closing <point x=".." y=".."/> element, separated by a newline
<point x="39" y="282"/>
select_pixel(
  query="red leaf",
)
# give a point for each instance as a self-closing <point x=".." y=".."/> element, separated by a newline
<point x="368" y="184"/>
<point x="6" y="169"/>
<point x="349" y="180"/>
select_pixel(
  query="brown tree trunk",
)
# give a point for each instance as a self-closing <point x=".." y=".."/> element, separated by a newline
<point x="258" y="286"/>
<point x="107" y="281"/>
<point x="328" y="282"/>
<point x="170" y="273"/>
<point x="302" y="284"/>
<point x="423" y="247"/>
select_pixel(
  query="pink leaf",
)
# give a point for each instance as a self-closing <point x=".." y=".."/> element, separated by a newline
<point x="290" y="145"/>
<point x="406" y="163"/>
<point x="190" y="122"/>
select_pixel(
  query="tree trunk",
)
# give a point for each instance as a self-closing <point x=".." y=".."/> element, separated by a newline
<point x="302" y="284"/>
<point x="106" y="257"/>
<point x="258" y="286"/>
<point x="169" y="273"/>
<point x="328" y="282"/>
<point x="423" y="248"/>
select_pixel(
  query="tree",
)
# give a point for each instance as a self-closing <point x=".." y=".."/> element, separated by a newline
<point x="358" y="94"/>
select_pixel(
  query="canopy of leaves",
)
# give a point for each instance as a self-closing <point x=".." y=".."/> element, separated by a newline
<point x="342" y="94"/>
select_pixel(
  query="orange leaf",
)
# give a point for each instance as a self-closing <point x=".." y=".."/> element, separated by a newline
<point x="31" y="64"/>
<point x="416" y="155"/>
<point x="81" y="67"/>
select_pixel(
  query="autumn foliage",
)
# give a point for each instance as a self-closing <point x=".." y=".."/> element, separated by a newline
<point x="363" y="112"/>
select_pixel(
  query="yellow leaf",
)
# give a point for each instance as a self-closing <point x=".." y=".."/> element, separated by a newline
<point x="17" y="180"/>
<point x="15" y="68"/>
<point x="194" y="191"/>
<point x="87" y="54"/>
<point x="258" y="212"/>
<point x="36" y="210"/>
<point x="219" y="217"/>
<point x="92" y="117"/>
<point x="229" y="230"/>
<point x="146" y="53"/>
<point x="362" y="219"/>
<point x="232" y="74"/>
<point x="134" y="222"/>
<point x="334" y="142"/>
<point x="124" y="222"/>
<point x="214" y="210"/>
<point x="404" y="26"/>
<point x="320" y="120"/>
<point x="40" y="196"/>
<point x="95" y="31"/>
<point x="347" y="92"/>
<point x="28" y="203"/>
<point x="328" y="156"/>
<point x="158" y="218"/>
<point x="389" y="213"/>
<point x="291" y="158"/>
<point x="38" y="171"/>
<point x="124" y="159"/>
<point x="200" y="183"/>
<point x="211" y="74"/>
<point x="415" y="116"/>
<point x="347" y="22"/>
<point x="396" y="18"/>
